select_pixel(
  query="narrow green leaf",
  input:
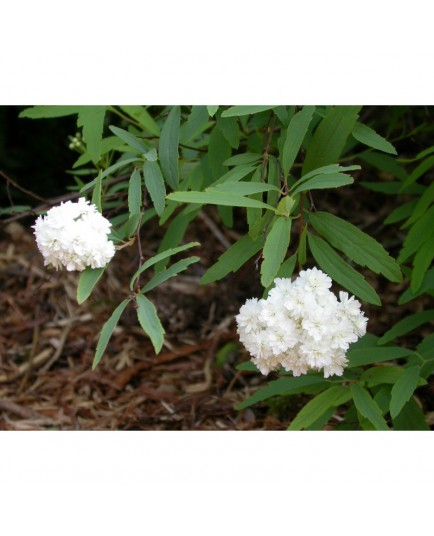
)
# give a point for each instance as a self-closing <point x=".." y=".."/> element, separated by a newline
<point x="302" y="247"/>
<point x="382" y="374"/>
<point x="418" y="172"/>
<point x="406" y="325"/>
<point x="331" y="168"/>
<point x="86" y="283"/>
<point x="212" y="110"/>
<point x="168" y="147"/>
<point x="369" y="137"/>
<point x="234" y="175"/>
<point x="275" y="249"/>
<point x="219" y="151"/>
<point x="141" y="114"/>
<point x="421" y="262"/>
<point x="274" y="179"/>
<point x="163" y="276"/>
<point x="230" y="130"/>
<point x="315" y="408"/>
<point x="427" y="284"/>
<point x="359" y="357"/>
<point x="107" y="331"/>
<point x="233" y="258"/>
<point x="195" y="124"/>
<point x="287" y="267"/>
<point x="330" y="137"/>
<point x="420" y="232"/>
<point x="367" y="407"/>
<point x="245" y="110"/>
<point x="340" y="271"/>
<point x="327" y="180"/>
<point x="403" y="390"/>
<point x="91" y="118"/>
<point x="243" y="188"/>
<point x="154" y="183"/>
<point x="411" y="418"/>
<point x="242" y="159"/>
<point x="108" y="172"/>
<point x="135" y="193"/>
<point x="280" y="387"/>
<point x="160" y="256"/>
<point x="386" y="163"/>
<point x="295" y="134"/>
<point x="357" y="245"/>
<point x="423" y="203"/>
<point x="148" y="319"/>
<point x="401" y="213"/>
<point x="47" y="112"/>
<point x="129" y="139"/>
<point x="217" y="198"/>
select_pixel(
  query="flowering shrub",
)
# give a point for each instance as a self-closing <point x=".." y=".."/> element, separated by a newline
<point x="271" y="165"/>
<point x="301" y="326"/>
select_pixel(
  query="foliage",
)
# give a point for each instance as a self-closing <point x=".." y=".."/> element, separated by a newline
<point x="267" y="163"/>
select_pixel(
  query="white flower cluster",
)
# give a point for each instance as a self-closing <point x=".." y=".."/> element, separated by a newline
<point x="301" y="326"/>
<point x="74" y="235"/>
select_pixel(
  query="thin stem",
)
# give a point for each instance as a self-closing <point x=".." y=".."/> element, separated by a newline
<point x="18" y="187"/>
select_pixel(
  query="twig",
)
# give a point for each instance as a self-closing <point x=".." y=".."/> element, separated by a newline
<point x="214" y="229"/>
<point x="21" y="188"/>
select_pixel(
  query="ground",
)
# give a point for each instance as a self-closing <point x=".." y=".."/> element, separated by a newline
<point x="47" y="340"/>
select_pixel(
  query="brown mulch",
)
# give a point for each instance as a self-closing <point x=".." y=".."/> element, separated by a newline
<point x="47" y="345"/>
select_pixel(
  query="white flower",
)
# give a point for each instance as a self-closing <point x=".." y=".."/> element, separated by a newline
<point x="74" y="236"/>
<point x="301" y="326"/>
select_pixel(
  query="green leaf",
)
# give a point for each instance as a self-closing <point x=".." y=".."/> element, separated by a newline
<point x="91" y="118"/>
<point x="331" y="168"/>
<point x="160" y="256"/>
<point x="410" y="418"/>
<point x="403" y="390"/>
<point x="218" y="151"/>
<point x="195" y="124"/>
<point x="245" y="110"/>
<point x="358" y="357"/>
<point x="107" y="331"/>
<point x="135" y="193"/>
<point x="233" y="258"/>
<point x="140" y="114"/>
<point x="274" y="179"/>
<point x="287" y="267"/>
<point x="163" y="276"/>
<point x="427" y="284"/>
<point x="247" y="366"/>
<point x="47" y="112"/>
<point x="129" y="139"/>
<point x="234" y="175"/>
<point x="148" y="319"/>
<point x="419" y="233"/>
<point x="340" y="271"/>
<point x="357" y="245"/>
<point x="242" y="188"/>
<point x="418" y="172"/>
<point x="367" y="407"/>
<point x="330" y="137"/>
<point x="230" y="130"/>
<point x="275" y="249"/>
<point x="302" y="247"/>
<point x="386" y="163"/>
<point x="217" y="198"/>
<point x="368" y="136"/>
<point x="406" y="325"/>
<point x="422" y="205"/>
<point x="108" y="172"/>
<point x="382" y="374"/>
<point x="327" y="180"/>
<point x="86" y="283"/>
<point x="295" y="134"/>
<point x="242" y="159"/>
<point x="280" y="387"/>
<point x="212" y="110"/>
<point x="421" y="262"/>
<point x="401" y="213"/>
<point x="315" y="408"/>
<point x="168" y="147"/>
<point x="154" y="183"/>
